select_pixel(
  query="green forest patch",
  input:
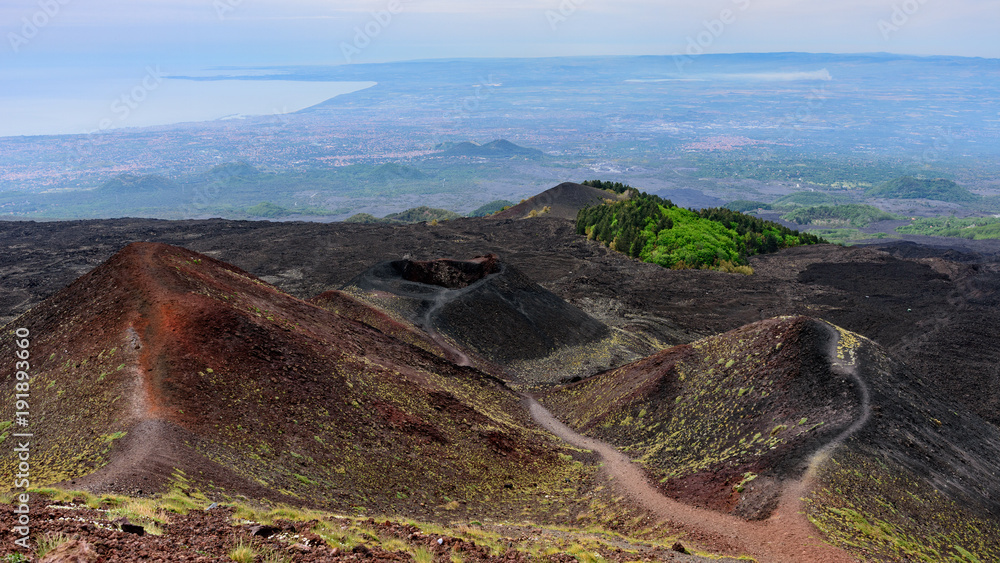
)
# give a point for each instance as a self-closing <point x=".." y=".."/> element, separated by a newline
<point x="978" y="228"/>
<point x="655" y="230"/>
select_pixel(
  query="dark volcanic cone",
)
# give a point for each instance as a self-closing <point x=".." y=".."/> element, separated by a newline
<point x="563" y="201"/>
<point x="484" y="305"/>
<point x="751" y="420"/>
<point x="163" y="359"/>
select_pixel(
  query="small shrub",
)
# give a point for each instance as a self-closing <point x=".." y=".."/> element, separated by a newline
<point x="275" y="556"/>
<point x="243" y="552"/>
<point x="140" y="511"/>
<point x="422" y="555"/>
<point x="49" y="541"/>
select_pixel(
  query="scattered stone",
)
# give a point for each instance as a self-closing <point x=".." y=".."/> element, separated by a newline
<point x="261" y="531"/>
<point x="129" y="528"/>
<point x="679" y="547"/>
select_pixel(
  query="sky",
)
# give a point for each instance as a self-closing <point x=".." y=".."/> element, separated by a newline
<point x="207" y="33"/>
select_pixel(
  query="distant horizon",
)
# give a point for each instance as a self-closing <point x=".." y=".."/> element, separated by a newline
<point x="663" y="56"/>
<point x="249" y="65"/>
<point x="308" y="32"/>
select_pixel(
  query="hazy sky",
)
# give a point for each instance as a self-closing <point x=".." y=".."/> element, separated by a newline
<point x="193" y="33"/>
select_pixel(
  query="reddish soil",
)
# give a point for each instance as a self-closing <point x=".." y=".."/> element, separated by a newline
<point x="205" y="536"/>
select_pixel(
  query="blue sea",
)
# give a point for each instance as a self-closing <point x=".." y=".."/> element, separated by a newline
<point x="65" y="101"/>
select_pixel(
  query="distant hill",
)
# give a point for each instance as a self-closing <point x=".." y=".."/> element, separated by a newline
<point x="975" y="228"/>
<point x="491" y="208"/>
<point x="421" y="214"/>
<point x="563" y="201"/>
<point x="268" y="210"/>
<point x="365" y="219"/>
<point x="805" y="199"/>
<point x="496" y="149"/>
<point x="394" y="171"/>
<point x="132" y="184"/>
<point x="743" y="205"/>
<point x="388" y="172"/>
<point x="909" y="187"/>
<point x="854" y="215"/>
<point x="233" y="170"/>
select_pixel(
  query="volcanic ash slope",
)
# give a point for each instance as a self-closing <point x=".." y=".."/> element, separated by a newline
<point x="731" y="422"/>
<point x="497" y="315"/>
<point x="163" y="360"/>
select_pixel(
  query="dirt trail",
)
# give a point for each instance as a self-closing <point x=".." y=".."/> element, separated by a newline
<point x="457" y="356"/>
<point x="786" y="537"/>
<point x="842" y="362"/>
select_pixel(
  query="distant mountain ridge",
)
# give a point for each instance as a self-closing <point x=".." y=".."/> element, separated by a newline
<point x="501" y="148"/>
<point x="421" y="214"/>
<point x="909" y="187"/>
<point x="133" y="184"/>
